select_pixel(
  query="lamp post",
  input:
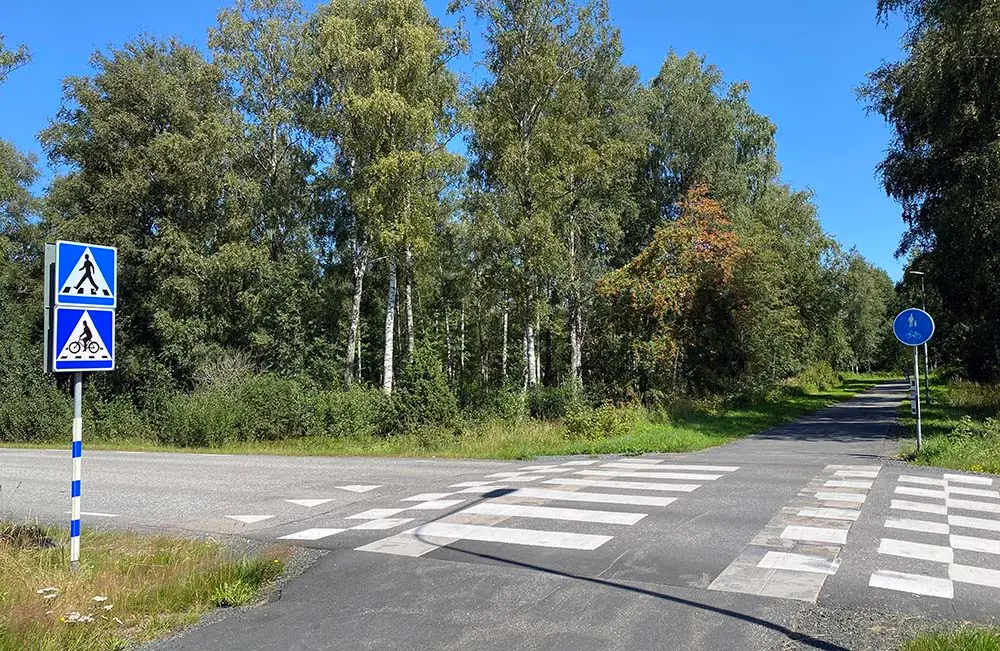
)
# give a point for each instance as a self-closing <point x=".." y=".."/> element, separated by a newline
<point x="923" y="302"/>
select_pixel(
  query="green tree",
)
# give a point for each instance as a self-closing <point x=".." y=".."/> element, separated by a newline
<point x="942" y="165"/>
<point x="11" y="60"/>
<point x="386" y="100"/>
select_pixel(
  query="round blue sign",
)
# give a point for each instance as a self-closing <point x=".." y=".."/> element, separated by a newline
<point x="913" y="327"/>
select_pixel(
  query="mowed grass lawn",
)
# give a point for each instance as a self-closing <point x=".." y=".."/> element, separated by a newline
<point x="698" y="427"/>
<point x="961" y="427"/>
<point x="129" y="588"/>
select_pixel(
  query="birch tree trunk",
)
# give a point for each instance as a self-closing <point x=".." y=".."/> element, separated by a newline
<point x="390" y="339"/>
<point x="575" y="343"/>
<point x="447" y="342"/>
<point x="531" y="368"/>
<point x="360" y="267"/>
<point x="410" y="336"/>
<point x="503" y="354"/>
<point x="537" y="357"/>
<point x="461" y="352"/>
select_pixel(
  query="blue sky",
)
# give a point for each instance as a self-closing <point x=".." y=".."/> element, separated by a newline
<point x="802" y="58"/>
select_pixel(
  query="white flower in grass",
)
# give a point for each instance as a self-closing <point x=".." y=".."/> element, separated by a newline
<point x="50" y="595"/>
<point x="99" y="599"/>
<point x="86" y="619"/>
<point x="118" y="621"/>
<point x="46" y="590"/>
<point x="108" y="607"/>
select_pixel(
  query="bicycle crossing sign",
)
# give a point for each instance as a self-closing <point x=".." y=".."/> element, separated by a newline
<point x="84" y="339"/>
<point x="86" y="275"/>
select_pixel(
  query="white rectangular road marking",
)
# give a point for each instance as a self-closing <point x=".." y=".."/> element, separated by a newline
<point x="904" y="505"/>
<point x="374" y="514"/>
<point x="639" y="460"/>
<point x="505" y="475"/>
<point x="926" y="481"/>
<point x="554" y="513"/>
<point x="907" y="549"/>
<point x="830" y="514"/>
<point x="972" y="544"/>
<point x="671" y="467"/>
<point x="524" y="478"/>
<point x="469" y="484"/>
<point x="968" y="479"/>
<point x="648" y="475"/>
<point x="826" y="496"/>
<point x="629" y="485"/>
<point x="435" y="505"/>
<point x="975" y="492"/>
<point x="815" y="534"/>
<point x="847" y="483"/>
<point x="868" y="474"/>
<point x="974" y="575"/>
<point x="426" y="497"/>
<point x="601" y="498"/>
<point x="405" y="544"/>
<point x="913" y="583"/>
<point x="799" y="563"/>
<point x="382" y="524"/>
<point x="920" y="492"/>
<point x="531" y="537"/>
<point x="311" y="534"/>
<point x="971" y="505"/>
<point x="589" y="462"/>
<point x="917" y="525"/>
<point x="973" y="523"/>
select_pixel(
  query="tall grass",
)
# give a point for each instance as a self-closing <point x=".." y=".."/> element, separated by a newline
<point x="976" y="639"/>
<point x="129" y="588"/>
<point x="961" y="427"/>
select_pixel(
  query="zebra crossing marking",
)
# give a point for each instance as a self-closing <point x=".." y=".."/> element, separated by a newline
<point x="555" y="513"/>
<point x="311" y="534"/>
<point x="956" y="549"/>
<point x="627" y="485"/>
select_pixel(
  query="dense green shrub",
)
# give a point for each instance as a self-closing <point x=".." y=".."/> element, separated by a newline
<point x="606" y="421"/>
<point x="359" y="411"/>
<point x="263" y="407"/>
<point x="553" y="403"/>
<point x="814" y="378"/>
<point x="32" y="408"/>
<point x="422" y="396"/>
<point x="116" y="420"/>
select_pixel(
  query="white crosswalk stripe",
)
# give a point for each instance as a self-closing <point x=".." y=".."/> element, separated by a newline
<point x="963" y="559"/>
<point x="502" y="497"/>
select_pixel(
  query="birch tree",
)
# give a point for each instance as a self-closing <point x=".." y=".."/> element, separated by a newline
<point x="387" y="97"/>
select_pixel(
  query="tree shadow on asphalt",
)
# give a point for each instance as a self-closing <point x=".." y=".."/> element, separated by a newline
<point x="794" y="636"/>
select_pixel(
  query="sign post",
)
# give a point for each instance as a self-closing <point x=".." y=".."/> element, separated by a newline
<point x="914" y="327"/>
<point x="81" y="283"/>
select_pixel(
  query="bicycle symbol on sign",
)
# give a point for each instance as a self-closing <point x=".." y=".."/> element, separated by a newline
<point x="82" y="344"/>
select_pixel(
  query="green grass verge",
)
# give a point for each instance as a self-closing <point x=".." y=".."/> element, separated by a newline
<point x="129" y="588"/>
<point x="966" y="640"/>
<point x="700" y="428"/>
<point x="960" y="427"/>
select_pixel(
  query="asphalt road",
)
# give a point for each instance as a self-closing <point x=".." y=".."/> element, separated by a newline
<point x="805" y="536"/>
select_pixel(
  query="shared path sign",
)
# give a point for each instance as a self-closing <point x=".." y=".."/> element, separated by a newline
<point x="83" y="339"/>
<point x="913" y="327"/>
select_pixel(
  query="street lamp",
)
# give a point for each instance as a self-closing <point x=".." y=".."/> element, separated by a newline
<point x="923" y="302"/>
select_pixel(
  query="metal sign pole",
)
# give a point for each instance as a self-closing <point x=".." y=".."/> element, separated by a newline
<point x="916" y="393"/>
<point x="927" y="373"/>
<point x="74" y="523"/>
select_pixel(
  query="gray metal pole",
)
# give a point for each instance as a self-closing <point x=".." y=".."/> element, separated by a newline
<point x="916" y="377"/>
<point x="76" y="487"/>
<point x="927" y="362"/>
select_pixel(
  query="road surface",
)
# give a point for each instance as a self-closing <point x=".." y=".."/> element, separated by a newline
<point x="806" y="536"/>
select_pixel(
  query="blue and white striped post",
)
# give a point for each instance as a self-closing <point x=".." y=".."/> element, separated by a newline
<point x="74" y="522"/>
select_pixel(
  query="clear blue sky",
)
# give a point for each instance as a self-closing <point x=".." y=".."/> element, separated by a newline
<point x="802" y="58"/>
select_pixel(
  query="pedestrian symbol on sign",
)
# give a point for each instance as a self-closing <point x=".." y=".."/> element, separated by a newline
<point x="86" y="273"/>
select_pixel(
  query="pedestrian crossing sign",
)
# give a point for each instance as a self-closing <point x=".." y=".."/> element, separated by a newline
<point x="83" y="340"/>
<point x="86" y="274"/>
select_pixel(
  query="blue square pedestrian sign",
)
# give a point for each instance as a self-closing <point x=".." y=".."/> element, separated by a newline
<point x="86" y="274"/>
<point x="83" y="339"/>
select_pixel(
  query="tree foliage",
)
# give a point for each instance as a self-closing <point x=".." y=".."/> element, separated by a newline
<point x="943" y="166"/>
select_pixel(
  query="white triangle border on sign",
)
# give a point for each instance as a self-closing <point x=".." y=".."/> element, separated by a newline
<point x="65" y="356"/>
<point x="76" y="274"/>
